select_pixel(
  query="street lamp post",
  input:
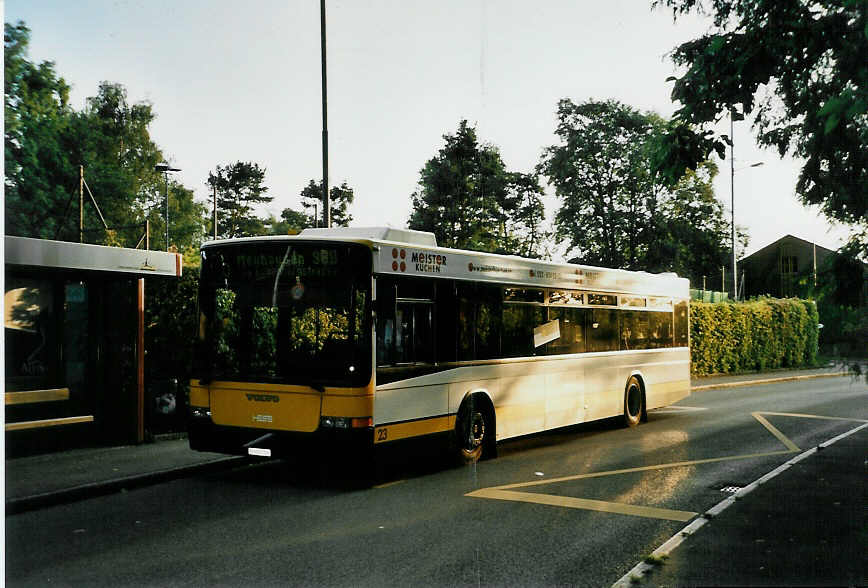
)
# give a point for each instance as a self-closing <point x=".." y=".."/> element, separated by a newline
<point x="166" y="168"/>
<point x="325" y="127"/>
<point x="732" y="196"/>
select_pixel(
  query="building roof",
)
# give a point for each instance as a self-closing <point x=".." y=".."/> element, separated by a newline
<point x="27" y="252"/>
<point x="788" y="238"/>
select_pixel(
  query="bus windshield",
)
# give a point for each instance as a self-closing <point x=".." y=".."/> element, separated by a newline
<point x="289" y="313"/>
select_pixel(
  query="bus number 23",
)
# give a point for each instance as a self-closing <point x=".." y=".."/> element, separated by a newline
<point x="382" y="434"/>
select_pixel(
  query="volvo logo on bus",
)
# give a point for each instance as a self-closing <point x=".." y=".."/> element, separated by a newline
<point x="263" y="397"/>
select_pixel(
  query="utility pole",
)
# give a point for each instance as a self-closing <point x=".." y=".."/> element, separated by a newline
<point x="325" y="126"/>
<point x="215" y="211"/>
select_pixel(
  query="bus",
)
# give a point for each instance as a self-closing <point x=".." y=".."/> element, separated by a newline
<point x="370" y="336"/>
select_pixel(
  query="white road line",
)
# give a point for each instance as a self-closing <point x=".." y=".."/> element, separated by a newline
<point x="676" y="409"/>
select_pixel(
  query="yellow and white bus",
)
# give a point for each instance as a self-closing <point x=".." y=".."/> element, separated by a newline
<point x="369" y="336"/>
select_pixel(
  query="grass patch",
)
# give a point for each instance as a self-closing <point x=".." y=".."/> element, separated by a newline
<point x="656" y="560"/>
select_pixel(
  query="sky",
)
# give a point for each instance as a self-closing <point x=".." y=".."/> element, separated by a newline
<point x="240" y="81"/>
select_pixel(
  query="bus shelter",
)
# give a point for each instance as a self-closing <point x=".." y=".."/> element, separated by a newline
<point x="74" y="342"/>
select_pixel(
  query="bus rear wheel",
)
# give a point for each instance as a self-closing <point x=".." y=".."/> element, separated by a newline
<point x="474" y="432"/>
<point x="634" y="402"/>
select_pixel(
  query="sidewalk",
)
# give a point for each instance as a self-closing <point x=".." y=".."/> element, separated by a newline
<point x="708" y="382"/>
<point x="43" y="480"/>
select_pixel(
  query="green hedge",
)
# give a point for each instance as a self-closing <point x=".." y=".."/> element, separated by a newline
<point x="755" y="335"/>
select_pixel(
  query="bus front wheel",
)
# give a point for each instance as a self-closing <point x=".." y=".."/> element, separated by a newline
<point x="474" y="432"/>
<point x="634" y="402"/>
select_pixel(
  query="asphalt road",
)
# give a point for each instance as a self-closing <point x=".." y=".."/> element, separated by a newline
<point x="279" y="523"/>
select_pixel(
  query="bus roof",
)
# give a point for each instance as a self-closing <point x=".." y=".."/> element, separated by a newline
<point x="415" y="253"/>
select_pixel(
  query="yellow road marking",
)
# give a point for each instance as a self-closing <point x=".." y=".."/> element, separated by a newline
<point x="585" y="504"/>
<point x="781" y="437"/>
<point x="387" y="484"/>
<point x="812" y="416"/>
<point x="661" y="466"/>
<point x="505" y="492"/>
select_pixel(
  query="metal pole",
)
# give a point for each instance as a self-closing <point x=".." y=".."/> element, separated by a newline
<point x="81" y="204"/>
<point x="325" y="127"/>
<point x="140" y="361"/>
<point x="166" y="174"/>
<point x="215" y="211"/>
<point x="732" y="189"/>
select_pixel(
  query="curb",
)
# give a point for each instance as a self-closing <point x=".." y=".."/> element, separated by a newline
<point x="768" y="381"/>
<point x="84" y="491"/>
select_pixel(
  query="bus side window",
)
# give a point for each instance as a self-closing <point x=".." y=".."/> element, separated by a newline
<point x="488" y="321"/>
<point x="414" y="333"/>
<point x="602" y="329"/>
<point x="635" y="329"/>
<point x="386" y="351"/>
<point x="519" y="321"/>
<point x="681" y="324"/>
<point x="661" y="329"/>
<point x="572" y="328"/>
<point x="446" y="326"/>
<point x="466" y="319"/>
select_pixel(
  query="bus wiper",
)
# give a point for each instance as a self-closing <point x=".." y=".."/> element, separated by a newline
<point x="277" y="276"/>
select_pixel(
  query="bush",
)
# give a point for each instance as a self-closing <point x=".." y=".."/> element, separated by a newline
<point x="755" y="335"/>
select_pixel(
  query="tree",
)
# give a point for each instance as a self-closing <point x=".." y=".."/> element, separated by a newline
<point x="523" y="231"/>
<point x="607" y="202"/>
<point x="187" y="219"/>
<point x="340" y="198"/>
<point x="290" y="222"/>
<point x="46" y="141"/>
<point x="111" y="139"/>
<point x="695" y="239"/>
<point x="614" y="211"/>
<point x="800" y="68"/>
<point x="40" y="178"/>
<point x="239" y="188"/>
<point x="469" y="200"/>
